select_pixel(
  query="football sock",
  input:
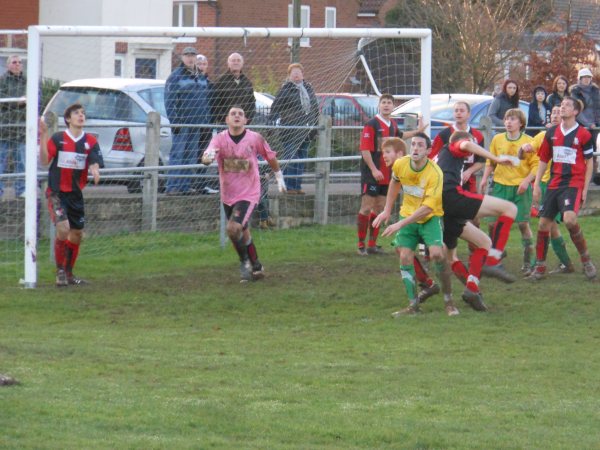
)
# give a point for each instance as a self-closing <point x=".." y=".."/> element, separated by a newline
<point x="251" y="249"/>
<point x="240" y="248"/>
<point x="460" y="270"/>
<point x="373" y="232"/>
<point x="71" y="253"/>
<point x="499" y="236"/>
<point x="59" y="253"/>
<point x="541" y="246"/>
<point x="421" y="273"/>
<point x="475" y="264"/>
<point x="527" y="251"/>
<point x="408" y="278"/>
<point x="560" y="248"/>
<point x="577" y="237"/>
<point x="362" y="223"/>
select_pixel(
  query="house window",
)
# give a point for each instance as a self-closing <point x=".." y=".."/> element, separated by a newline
<point x="330" y="17"/>
<point x="119" y="62"/>
<point x="145" y="68"/>
<point x="185" y="14"/>
<point x="304" y="22"/>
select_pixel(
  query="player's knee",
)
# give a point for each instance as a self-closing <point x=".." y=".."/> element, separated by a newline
<point x="570" y="219"/>
<point x="510" y="210"/>
<point x="234" y="230"/>
<point x="406" y="257"/>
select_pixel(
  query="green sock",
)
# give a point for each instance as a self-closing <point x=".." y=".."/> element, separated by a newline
<point x="528" y="253"/>
<point x="408" y="278"/>
<point x="560" y="248"/>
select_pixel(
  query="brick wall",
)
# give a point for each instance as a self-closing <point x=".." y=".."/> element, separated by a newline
<point x="19" y="14"/>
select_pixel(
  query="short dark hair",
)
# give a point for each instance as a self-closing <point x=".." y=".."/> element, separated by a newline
<point x="386" y="97"/>
<point x="236" y="107"/>
<point x="459" y="136"/>
<point x="577" y="104"/>
<point x="422" y="135"/>
<point x="70" y="109"/>
<point x="462" y="102"/>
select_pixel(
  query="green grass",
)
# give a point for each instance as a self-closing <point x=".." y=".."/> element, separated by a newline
<point x="167" y="350"/>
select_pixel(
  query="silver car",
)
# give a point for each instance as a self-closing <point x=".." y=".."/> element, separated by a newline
<point x="116" y="110"/>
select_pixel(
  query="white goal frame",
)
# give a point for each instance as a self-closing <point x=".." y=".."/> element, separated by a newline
<point x="34" y="51"/>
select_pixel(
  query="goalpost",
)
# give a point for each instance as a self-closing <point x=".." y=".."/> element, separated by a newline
<point x="390" y="60"/>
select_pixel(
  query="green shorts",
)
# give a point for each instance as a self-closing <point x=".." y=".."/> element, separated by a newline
<point x="522" y="202"/>
<point x="412" y="235"/>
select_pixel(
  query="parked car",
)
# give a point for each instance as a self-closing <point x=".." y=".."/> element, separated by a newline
<point x="116" y="111"/>
<point x="348" y="109"/>
<point x="442" y="109"/>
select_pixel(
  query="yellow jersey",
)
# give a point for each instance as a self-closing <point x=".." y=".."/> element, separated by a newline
<point x="421" y="187"/>
<point x="511" y="175"/>
<point x="536" y="144"/>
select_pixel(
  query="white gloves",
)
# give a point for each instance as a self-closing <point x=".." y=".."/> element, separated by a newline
<point x="280" y="181"/>
<point x="209" y="156"/>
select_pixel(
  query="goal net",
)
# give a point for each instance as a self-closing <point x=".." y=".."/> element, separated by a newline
<point x="152" y="182"/>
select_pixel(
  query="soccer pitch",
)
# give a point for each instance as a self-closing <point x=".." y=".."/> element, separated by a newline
<point x="166" y="349"/>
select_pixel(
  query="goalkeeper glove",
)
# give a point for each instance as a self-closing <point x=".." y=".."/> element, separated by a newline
<point x="280" y="181"/>
<point x="209" y="156"/>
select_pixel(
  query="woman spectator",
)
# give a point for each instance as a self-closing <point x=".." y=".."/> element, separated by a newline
<point x="538" y="110"/>
<point x="505" y="100"/>
<point x="560" y="88"/>
<point x="295" y="105"/>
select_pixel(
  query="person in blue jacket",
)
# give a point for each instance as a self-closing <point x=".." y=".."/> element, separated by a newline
<point x="187" y="94"/>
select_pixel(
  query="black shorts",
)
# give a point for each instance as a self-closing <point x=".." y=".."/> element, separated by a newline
<point x="460" y="206"/>
<point x="66" y="206"/>
<point x="239" y="212"/>
<point x="560" y="200"/>
<point x="373" y="190"/>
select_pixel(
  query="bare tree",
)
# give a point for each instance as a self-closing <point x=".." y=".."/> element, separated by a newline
<point x="473" y="40"/>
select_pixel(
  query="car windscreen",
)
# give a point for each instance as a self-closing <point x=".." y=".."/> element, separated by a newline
<point x="155" y="97"/>
<point x="369" y="104"/>
<point x="100" y="104"/>
<point x="441" y="110"/>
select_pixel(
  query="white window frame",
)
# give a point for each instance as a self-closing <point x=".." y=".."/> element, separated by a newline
<point x="179" y="5"/>
<point x="304" y="22"/>
<point x="331" y="13"/>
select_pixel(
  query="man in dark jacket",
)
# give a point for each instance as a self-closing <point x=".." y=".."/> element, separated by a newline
<point x="13" y="86"/>
<point x="589" y="94"/>
<point x="187" y="97"/>
<point x="233" y="88"/>
<point x="295" y="105"/>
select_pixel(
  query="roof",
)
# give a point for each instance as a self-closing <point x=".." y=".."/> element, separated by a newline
<point x="581" y="14"/>
<point x="133" y="84"/>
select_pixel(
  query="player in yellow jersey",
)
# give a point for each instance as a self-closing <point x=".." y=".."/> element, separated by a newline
<point x="513" y="183"/>
<point x="556" y="240"/>
<point x="420" y="218"/>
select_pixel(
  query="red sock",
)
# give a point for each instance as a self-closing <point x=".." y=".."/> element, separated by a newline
<point x="475" y="264"/>
<point x="580" y="244"/>
<point x="500" y="235"/>
<point x="59" y="253"/>
<point x="252" y="254"/>
<point x="71" y="253"/>
<point x="541" y="245"/>
<point x="373" y="232"/>
<point x="460" y="270"/>
<point x="421" y="273"/>
<point x="363" y="224"/>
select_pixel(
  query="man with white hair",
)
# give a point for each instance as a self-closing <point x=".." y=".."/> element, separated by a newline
<point x="233" y="88"/>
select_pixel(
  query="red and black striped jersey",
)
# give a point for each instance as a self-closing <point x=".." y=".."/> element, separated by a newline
<point x="373" y="135"/>
<point x="568" y="150"/>
<point x="69" y="159"/>
<point x="443" y="138"/>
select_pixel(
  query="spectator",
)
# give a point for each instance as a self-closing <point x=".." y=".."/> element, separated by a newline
<point x="296" y="105"/>
<point x="505" y="100"/>
<point x="187" y="102"/>
<point x="13" y="85"/>
<point x="233" y="88"/>
<point x="560" y="88"/>
<point x="538" y="110"/>
<point x="587" y="91"/>
<point x="205" y="185"/>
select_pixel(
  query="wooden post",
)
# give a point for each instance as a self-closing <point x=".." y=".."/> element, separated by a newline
<point x="150" y="183"/>
<point x="322" y="171"/>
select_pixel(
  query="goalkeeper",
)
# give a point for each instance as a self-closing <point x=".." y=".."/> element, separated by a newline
<point x="236" y="152"/>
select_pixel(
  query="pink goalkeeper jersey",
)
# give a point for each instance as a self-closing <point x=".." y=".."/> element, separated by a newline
<point x="238" y="165"/>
